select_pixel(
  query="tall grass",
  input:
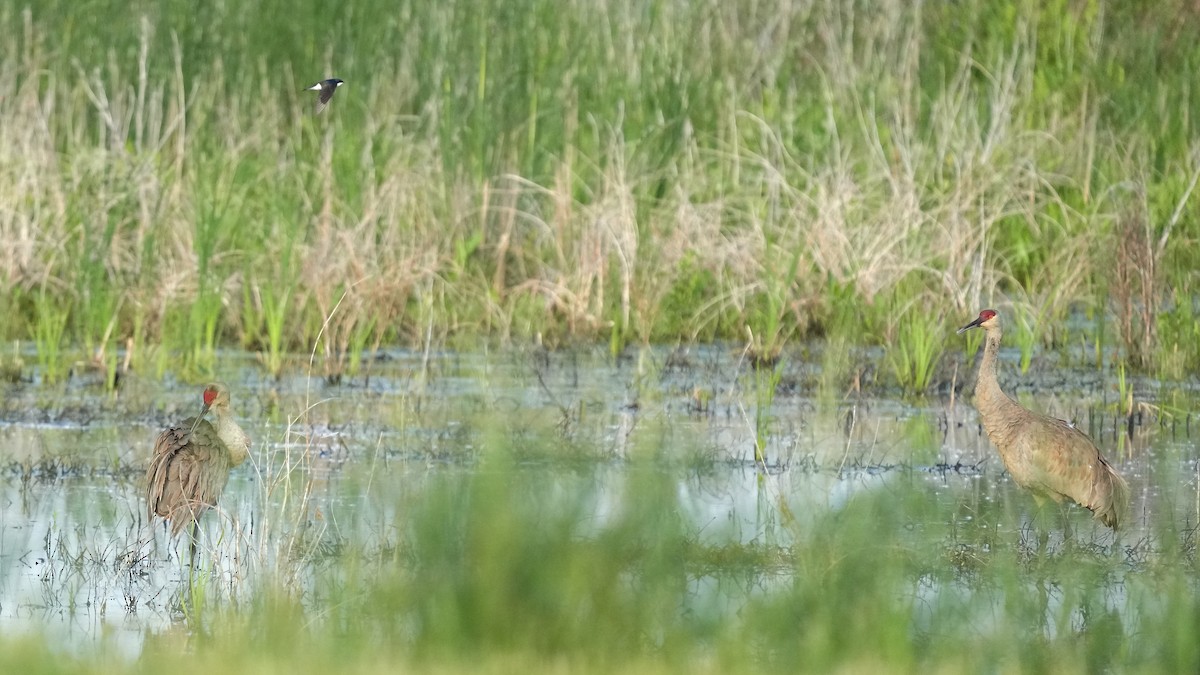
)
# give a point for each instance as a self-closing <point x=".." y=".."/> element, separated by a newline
<point x="50" y="325"/>
<point x="914" y="352"/>
<point x="532" y="168"/>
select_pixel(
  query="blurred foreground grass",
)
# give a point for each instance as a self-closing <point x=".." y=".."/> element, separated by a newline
<point x="505" y="571"/>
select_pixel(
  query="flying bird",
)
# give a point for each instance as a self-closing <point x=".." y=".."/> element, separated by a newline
<point x="326" y="87"/>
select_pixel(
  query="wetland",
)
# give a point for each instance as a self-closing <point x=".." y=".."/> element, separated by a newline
<point x="572" y="505"/>
<point x="597" y="337"/>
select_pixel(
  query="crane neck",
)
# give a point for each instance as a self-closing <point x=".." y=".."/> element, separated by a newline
<point x="232" y="435"/>
<point x="997" y="408"/>
<point x="987" y="364"/>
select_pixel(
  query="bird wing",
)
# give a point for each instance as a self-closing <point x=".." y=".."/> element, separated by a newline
<point x="324" y="97"/>
<point x="187" y="473"/>
<point x="1067" y="463"/>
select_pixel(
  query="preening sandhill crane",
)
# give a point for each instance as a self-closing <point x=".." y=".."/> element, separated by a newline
<point x="191" y="464"/>
<point x="1047" y="456"/>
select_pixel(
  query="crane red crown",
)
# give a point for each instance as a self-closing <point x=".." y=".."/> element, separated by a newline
<point x="210" y="395"/>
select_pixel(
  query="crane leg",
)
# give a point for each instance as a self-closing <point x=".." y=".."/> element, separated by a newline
<point x="195" y="539"/>
<point x="1068" y="533"/>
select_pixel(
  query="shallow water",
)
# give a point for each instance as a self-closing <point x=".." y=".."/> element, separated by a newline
<point x="333" y="466"/>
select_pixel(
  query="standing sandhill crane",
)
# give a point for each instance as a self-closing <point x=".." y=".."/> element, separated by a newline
<point x="191" y="464"/>
<point x="1048" y="456"/>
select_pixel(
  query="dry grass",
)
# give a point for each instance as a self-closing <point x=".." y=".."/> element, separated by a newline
<point x="133" y="189"/>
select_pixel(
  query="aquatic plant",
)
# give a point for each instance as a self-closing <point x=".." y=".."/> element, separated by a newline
<point x="50" y="326"/>
<point x="914" y="354"/>
<point x="764" y="383"/>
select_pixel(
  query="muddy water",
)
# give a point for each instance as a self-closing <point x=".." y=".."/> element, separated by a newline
<point x="331" y="463"/>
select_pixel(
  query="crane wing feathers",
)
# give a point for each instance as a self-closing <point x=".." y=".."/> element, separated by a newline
<point x="1067" y="463"/>
<point x="187" y="473"/>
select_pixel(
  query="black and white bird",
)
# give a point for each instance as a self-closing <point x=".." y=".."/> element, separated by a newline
<point x="326" y="87"/>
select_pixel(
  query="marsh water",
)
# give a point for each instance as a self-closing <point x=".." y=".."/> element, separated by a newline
<point x="338" y="467"/>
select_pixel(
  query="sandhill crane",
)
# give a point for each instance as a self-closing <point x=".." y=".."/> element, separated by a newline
<point x="191" y="464"/>
<point x="1048" y="456"/>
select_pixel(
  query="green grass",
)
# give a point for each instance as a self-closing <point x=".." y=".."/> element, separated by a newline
<point x="462" y="536"/>
<point x="50" y="325"/>
<point x="503" y="566"/>
<point x="524" y="168"/>
<point x="914" y="354"/>
<point x="764" y="382"/>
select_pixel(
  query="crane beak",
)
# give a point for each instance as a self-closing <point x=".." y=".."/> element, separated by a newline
<point x="973" y="324"/>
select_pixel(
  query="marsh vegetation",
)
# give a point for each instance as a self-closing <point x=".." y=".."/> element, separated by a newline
<point x="567" y="510"/>
<point x="770" y="215"/>
<point x="659" y="173"/>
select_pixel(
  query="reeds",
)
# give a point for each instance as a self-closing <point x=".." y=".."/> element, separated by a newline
<point x="529" y="169"/>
